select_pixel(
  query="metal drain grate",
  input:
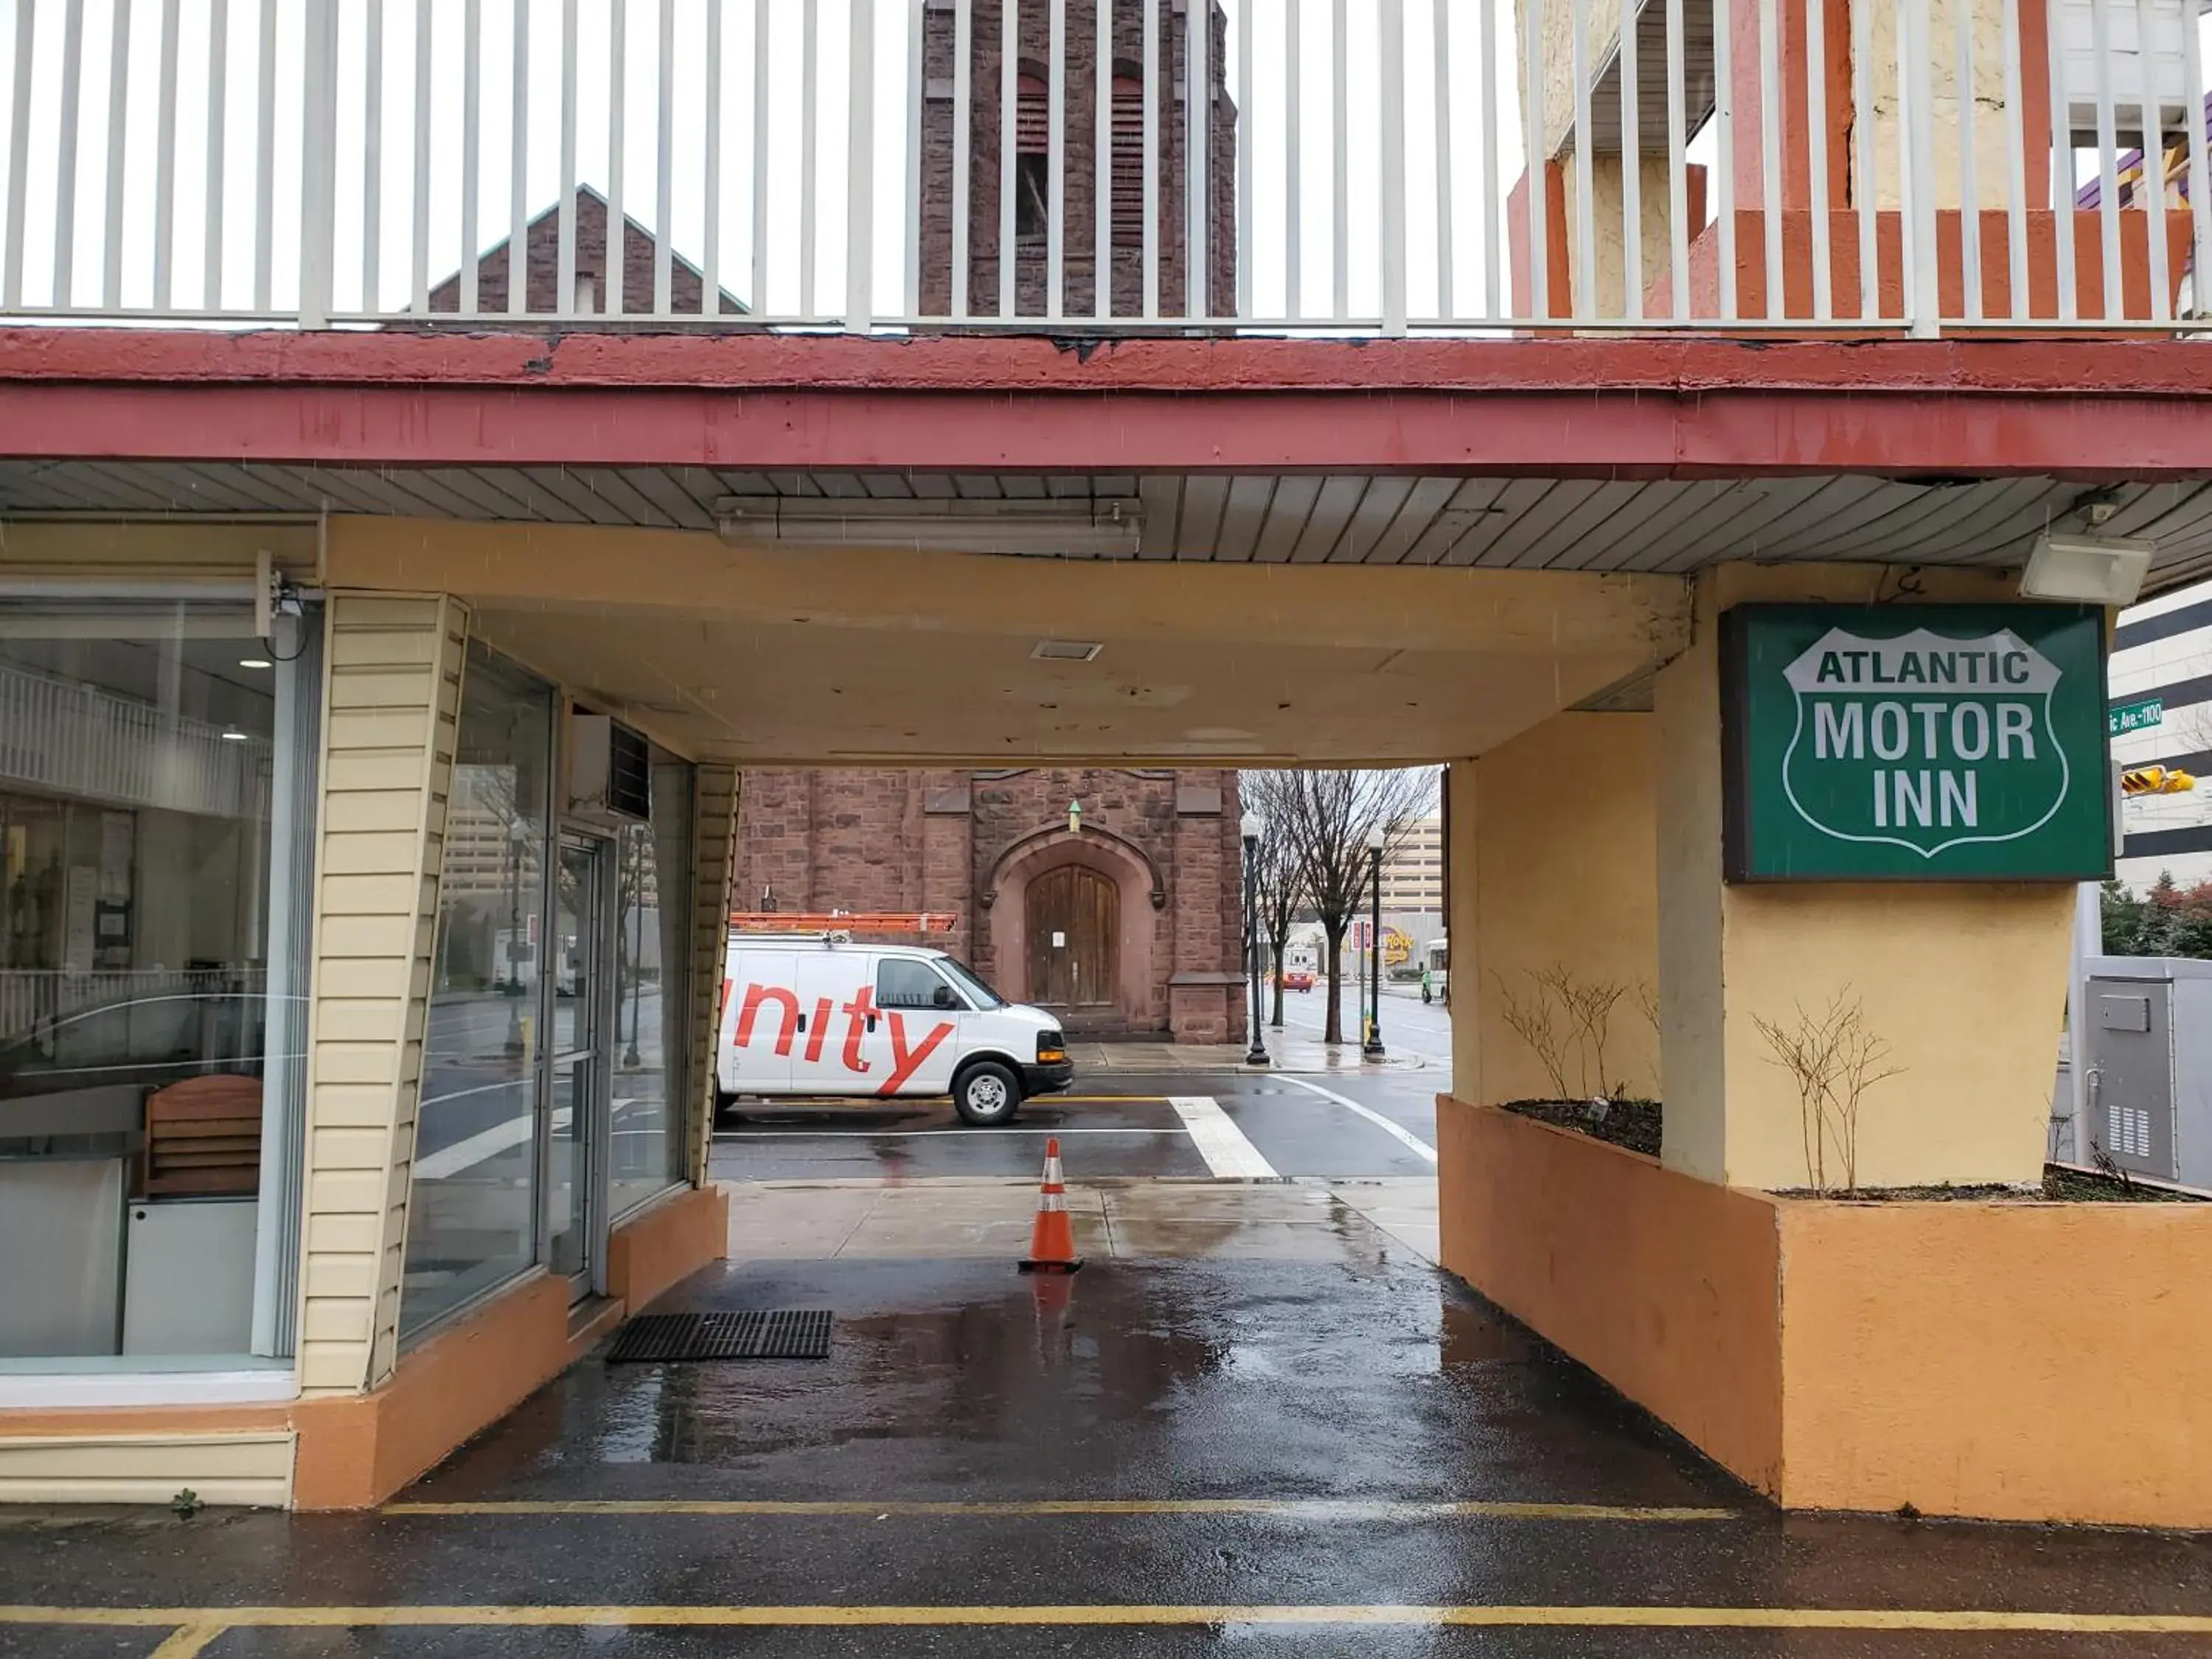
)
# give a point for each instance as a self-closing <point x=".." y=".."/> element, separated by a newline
<point x="776" y="1334"/>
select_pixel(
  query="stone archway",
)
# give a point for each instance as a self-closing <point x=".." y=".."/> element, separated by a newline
<point x="1053" y="873"/>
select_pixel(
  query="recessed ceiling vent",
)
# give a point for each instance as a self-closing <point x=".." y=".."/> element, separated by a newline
<point x="1066" y="650"/>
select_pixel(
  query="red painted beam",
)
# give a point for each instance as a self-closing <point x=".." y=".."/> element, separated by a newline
<point x="753" y="361"/>
<point x="1640" y="407"/>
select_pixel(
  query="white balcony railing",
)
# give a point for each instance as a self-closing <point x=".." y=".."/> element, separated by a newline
<point x="1359" y="166"/>
<point x="31" y="999"/>
<point x="76" y="739"/>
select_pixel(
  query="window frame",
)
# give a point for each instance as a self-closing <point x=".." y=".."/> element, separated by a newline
<point x="265" y="1366"/>
<point x="934" y="972"/>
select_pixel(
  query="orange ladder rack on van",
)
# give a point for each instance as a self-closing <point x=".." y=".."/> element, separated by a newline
<point x="849" y="921"/>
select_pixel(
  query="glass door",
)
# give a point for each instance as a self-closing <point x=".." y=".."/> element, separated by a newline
<point x="577" y="1098"/>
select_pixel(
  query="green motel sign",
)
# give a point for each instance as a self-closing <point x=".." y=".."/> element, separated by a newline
<point x="1915" y="742"/>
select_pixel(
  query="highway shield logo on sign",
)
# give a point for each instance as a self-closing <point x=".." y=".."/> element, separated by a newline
<point x="1922" y="742"/>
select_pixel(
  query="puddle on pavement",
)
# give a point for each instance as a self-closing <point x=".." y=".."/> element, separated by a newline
<point x="965" y="1380"/>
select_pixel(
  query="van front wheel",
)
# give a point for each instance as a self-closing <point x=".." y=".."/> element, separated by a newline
<point x="986" y="1094"/>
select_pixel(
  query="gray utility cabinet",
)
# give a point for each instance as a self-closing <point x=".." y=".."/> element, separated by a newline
<point x="2148" y="1050"/>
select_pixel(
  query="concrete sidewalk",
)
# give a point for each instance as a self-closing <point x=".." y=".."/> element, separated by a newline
<point x="1286" y="1052"/>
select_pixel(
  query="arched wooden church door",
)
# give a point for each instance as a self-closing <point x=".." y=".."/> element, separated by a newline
<point x="1071" y="913"/>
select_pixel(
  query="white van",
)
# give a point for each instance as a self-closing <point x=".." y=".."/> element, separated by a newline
<point x="815" y="1014"/>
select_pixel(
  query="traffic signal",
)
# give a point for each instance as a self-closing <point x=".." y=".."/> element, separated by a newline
<point x="2157" y="780"/>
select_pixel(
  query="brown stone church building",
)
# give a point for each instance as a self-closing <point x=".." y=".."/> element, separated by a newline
<point x="1132" y="923"/>
<point x="1129" y="924"/>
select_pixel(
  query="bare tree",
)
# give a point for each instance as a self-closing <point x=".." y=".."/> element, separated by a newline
<point x="1562" y="1010"/>
<point x="1330" y="818"/>
<point x="1274" y="873"/>
<point x="1834" y="1059"/>
<point x="1532" y="1021"/>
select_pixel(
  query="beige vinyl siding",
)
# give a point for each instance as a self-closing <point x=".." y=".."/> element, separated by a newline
<point x="714" y="844"/>
<point x="392" y="699"/>
<point x="251" y="1466"/>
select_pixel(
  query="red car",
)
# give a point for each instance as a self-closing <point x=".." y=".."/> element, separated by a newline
<point x="1298" y="979"/>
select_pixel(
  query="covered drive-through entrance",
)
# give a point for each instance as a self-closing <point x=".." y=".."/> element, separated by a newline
<point x="1262" y="1404"/>
<point x="1586" y="716"/>
<point x="1719" y="434"/>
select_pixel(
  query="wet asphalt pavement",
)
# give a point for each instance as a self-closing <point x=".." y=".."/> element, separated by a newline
<point x="1122" y="1125"/>
<point x="1237" y="1438"/>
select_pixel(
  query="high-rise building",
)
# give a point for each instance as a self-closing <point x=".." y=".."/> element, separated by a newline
<point x="2162" y="655"/>
<point x="1413" y="871"/>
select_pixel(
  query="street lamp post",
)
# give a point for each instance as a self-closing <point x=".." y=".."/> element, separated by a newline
<point x="517" y="836"/>
<point x="1373" y="1050"/>
<point x="637" y="942"/>
<point x="1254" y="826"/>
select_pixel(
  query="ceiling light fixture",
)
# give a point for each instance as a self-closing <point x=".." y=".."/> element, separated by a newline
<point x="253" y="662"/>
<point x="232" y="734"/>
<point x="2087" y="569"/>
<point x="1100" y="527"/>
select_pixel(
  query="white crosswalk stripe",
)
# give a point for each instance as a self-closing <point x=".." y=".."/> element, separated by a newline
<point x="1229" y="1156"/>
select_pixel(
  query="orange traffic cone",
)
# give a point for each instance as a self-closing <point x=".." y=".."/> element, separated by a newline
<point x="1052" y="1241"/>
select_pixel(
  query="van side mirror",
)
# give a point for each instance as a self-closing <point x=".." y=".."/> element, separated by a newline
<point x="945" y="997"/>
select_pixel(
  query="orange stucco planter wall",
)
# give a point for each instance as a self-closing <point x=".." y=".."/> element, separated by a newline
<point x="355" y="1451"/>
<point x="1661" y="1284"/>
<point x="2018" y="1361"/>
<point x="1959" y="1357"/>
<point x="667" y="1244"/>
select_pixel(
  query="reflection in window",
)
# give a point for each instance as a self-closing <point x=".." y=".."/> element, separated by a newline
<point x="902" y="982"/>
<point x="138" y="760"/>
<point x="653" y="911"/>
<point x="472" y="1219"/>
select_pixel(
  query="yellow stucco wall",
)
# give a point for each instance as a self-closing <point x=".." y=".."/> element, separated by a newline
<point x="1966" y="983"/>
<point x="1993" y="116"/>
<point x="1556" y="830"/>
<point x="1608" y="202"/>
<point x="1600" y="30"/>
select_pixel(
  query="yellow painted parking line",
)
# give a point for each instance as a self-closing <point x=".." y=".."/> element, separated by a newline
<point x="189" y="1642"/>
<point x="204" y="1622"/>
<point x="1298" y="1509"/>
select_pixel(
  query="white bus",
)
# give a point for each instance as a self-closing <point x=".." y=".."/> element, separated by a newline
<point x="1436" y="971"/>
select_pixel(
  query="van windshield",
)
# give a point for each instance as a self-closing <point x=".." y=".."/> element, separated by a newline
<point x="967" y="979"/>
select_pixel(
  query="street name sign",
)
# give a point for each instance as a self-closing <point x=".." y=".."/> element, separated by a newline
<point x="2140" y="715"/>
<point x="1914" y="743"/>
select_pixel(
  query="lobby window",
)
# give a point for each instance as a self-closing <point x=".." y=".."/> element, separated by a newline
<point x="652" y="926"/>
<point x="472" y="1219"/>
<point x="156" y="821"/>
